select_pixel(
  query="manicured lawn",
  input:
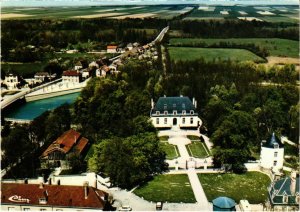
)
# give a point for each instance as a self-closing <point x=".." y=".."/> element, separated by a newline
<point x="275" y="46"/>
<point x="251" y="186"/>
<point x="193" y="137"/>
<point x="170" y="188"/>
<point x="197" y="149"/>
<point x="190" y="53"/>
<point x="171" y="150"/>
<point x="164" y="138"/>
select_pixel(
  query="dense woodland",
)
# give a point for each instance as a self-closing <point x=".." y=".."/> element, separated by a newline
<point x="237" y="109"/>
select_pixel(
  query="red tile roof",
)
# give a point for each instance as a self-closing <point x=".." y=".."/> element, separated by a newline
<point x="71" y="73"/>
<point x="112" y="47"/>
<point x="66" y="142"/>
<point x="57" y="195"/>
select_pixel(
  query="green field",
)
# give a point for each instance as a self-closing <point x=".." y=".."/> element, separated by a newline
<point x="171" y="150"/>
<point x="197" y="149"/>
<point x="251" y="186"/>
<point x="26" y="70"/>
<point x="275" y="46"/>
<point x="170" y="188"/>
<point x="190" y="53"/>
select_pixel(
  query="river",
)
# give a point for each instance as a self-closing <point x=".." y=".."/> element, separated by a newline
<point x="31" y="110"/>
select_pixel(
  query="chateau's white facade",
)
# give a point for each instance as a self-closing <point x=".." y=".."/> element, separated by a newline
<point x="272" y="154"/>
<point x="171" y="112"/>
<point x="11" y="81"/>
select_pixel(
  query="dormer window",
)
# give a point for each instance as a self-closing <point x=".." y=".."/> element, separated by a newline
<point x="285" y="198"/>
<point x="166" y="112"/>
<point x="165" y="106"/>
<point x="276" y="146"/>
<point x="183" y="112"/>
<point x="183" y="105"/>
<point x="43" y="200"/>
<point x="174" y="112"/>
<point x="192" y="112"/>
<point x="174" y="105"/>
<point x="157" y="113"/>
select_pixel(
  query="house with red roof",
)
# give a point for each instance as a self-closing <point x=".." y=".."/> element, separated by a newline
<point x="112" y="49"/>
<point x="56" y="154"/>
<point x="40" y="197"/>
<point x="71" y="76"/>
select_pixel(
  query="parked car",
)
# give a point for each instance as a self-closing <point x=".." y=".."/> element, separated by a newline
<point x="125" y="208"/>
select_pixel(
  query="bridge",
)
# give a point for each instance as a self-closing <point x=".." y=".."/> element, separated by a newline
<point x="11" y="99"/>
<point x="18" y="121"/>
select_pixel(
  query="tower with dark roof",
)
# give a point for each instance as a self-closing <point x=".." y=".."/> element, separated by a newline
<point x="272" y="153"/>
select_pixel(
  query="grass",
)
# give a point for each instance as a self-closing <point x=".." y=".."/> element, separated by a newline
<point x="210" y="54"/>
<point x="164" y="138"/>
<point x="170" y="188"/>
<point x="171" y="150"/>
<point x="193" y="137"/>
<point x="24" y="69"/>
<point x="197" y="149"/>
<point x="251" y="186"/>
<point x="275" y="46"/>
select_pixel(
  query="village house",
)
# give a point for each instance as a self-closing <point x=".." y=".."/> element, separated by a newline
<point x="42" y="76"/>
<point x="112" y="49"/>
<point x="11" y="81"/>
<point x="56" y="154"/>
<point x="71" y="76"/>
<point x="272" y="154"/>
<point x="86" y="73"/>
<point x="103" y="71"/>
<point x="129" y="46"/>
<point x="78" y="65"/>
<point x="284" y="194"/>
<point x="40" y="197"/>
<point x="177" y="112"/>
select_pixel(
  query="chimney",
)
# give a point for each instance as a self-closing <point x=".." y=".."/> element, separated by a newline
<point x="293" y="183"/>
<point x="164" y="95"/>
<point x="193" y="100"/>
<point x="86" y="189"/>
<point x="75" y="139"/>
<point x="152" y="104"/>
<point x="41" y="186"/>
<point x="195" y="103"/>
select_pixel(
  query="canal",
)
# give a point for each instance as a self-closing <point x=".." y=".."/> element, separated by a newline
<point x="31" y="110"/>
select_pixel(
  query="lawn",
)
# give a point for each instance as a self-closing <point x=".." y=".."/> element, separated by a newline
<point x="26" y="70"/>
<point x="193" y="137"/>
<point x="164" y="138"/>
<point x="251" y="186"/>
<point x="210" y="54"/>
<point x="275" y="46"/>
<point x="197" y="149"/>
<point x="170" y="188"/>
<point x="171" y="150"/>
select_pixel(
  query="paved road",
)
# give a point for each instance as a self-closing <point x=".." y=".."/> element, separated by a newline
<point x="197" y="188"/>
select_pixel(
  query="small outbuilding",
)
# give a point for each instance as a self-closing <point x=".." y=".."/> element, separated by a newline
<point x="223" y="204"/>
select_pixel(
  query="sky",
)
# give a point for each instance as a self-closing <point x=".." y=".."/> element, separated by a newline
<point x="45" y="3"/>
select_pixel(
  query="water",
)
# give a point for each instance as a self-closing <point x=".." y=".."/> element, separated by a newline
<point x="31" y="110"/>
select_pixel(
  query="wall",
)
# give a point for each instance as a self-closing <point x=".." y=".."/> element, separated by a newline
<point x="267" y="157"/>
<point x="53" y="94"/>
<point x="180" y="123"/>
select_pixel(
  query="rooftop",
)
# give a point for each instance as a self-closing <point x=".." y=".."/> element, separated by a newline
<point x="56" y="195"/>
<point x="71" y="73"/>
<point x="273" y="142"/>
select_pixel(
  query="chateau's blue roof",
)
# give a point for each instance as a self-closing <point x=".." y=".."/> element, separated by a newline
<point x="272" y="142"/>
<point x="174" y="103"/>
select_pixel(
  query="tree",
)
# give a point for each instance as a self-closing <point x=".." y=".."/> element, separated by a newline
<point x="129" y="161"/>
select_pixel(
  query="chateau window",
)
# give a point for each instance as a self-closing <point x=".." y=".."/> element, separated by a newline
<point x="192" y="120"/>
<point x="157" y="113"/>
<point x="43" y="209"/>
<point x="275" y="163"/>
<point x="165" y="120"/>
<point x="192" y="112"/>
<point x="276" y="146"/>
<point x="157" y="120"/>
<point x="183" y="112"/>
<point x="174" y="112"/>
<point x="183" y="105"/>
<point x="183" y="120"/>
<point x="298" y="199"/>
<point x="166" y="112"/>
<point x="26" y="209"/>
<point x="275" y="154"/>
<point x="11" y="208"/>
<point x="174" y="105"/>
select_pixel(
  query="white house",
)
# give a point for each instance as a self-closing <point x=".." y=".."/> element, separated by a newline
<point x="78" y="66"/>
<point x="272" y="154"/>
<point x="11" y="81"/>
<point x="71" y="76"/>
<point x="171" y="112"/>
<point x="129" y="46"/>
<point x="112" y="49"/>
<point x="103" y="71"/>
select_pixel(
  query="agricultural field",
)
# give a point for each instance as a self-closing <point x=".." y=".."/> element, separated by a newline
<point x="170" y="188"/>
<point x="259" y="13"/>
<point x="210" y="54"/>
<point x="275" y="46"/>
<point x="115" y="12"/>
<point x="251" y="186"/>
<point x="26" y="70"/>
